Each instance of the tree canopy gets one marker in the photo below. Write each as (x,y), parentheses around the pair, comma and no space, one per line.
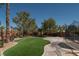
(49,25)
(24,22)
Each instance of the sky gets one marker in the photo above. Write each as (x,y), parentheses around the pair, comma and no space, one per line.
(61,13)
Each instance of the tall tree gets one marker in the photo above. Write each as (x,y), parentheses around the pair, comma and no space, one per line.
(20,20)
(24,22)
(49,25)
(32,25)
(7,22)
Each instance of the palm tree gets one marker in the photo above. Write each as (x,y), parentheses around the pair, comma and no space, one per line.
(2,35)
(7,22)
(2,32)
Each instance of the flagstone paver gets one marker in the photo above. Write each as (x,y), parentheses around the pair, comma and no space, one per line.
(53,49)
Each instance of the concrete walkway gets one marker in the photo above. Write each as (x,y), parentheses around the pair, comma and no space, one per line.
(53,49)
(8,45)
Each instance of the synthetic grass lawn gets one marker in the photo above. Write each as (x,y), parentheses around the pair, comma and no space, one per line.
(27,47)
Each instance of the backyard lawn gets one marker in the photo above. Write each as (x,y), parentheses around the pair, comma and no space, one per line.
(27,47)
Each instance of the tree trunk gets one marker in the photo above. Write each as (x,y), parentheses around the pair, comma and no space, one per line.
(7,22)
(2,33)
(2,37)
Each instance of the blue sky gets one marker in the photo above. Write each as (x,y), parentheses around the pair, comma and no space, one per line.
(62,13)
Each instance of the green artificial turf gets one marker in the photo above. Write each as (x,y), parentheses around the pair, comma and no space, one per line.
(27,47)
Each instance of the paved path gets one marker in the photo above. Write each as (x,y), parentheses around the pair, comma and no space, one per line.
(8,45)
(73,44)
(53,49)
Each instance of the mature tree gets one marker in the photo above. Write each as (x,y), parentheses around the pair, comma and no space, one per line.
(49,25)
(32,25)
(2,36)
(71,28)
(7,22)
(24,22)
(20,20)
(2,32)
(1,4)
(76,24)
